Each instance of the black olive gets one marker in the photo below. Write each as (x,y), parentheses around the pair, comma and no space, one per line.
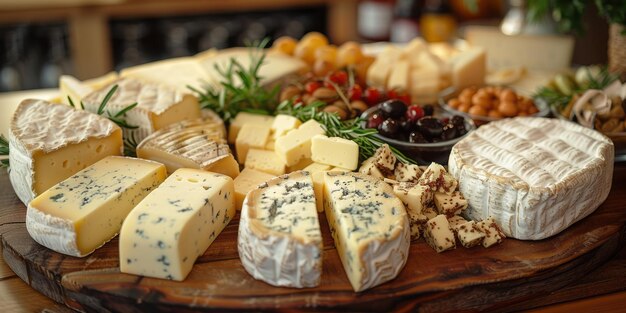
(428,110)
(389,128)
(407,125)
(393,108)
(460,130)
(417,137)
(458,120)
(449,132)
(430,127)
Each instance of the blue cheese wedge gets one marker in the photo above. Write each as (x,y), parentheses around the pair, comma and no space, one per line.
(279,240)
(170,228)
(83,212)
(369,225)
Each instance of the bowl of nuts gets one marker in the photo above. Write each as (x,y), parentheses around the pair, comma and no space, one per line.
(491,103)
(423,133)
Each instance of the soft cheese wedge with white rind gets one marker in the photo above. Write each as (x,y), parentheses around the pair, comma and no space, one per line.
(83,212)
(196,143)
(171,227)
(279,238)
(534,176)
(158,105)
(50,142)
(369,225)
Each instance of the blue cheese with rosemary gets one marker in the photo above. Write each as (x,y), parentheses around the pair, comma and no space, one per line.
(369,226)
(170,228)
(279,240)
(83,212)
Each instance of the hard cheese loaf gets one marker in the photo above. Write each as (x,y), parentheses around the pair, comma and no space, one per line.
(50,142)
(369,225)
(83,212)
(279,234)
(535,176)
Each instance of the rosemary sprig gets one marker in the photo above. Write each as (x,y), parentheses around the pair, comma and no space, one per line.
(4,152)
(130,145)
(240,88)
(334,127)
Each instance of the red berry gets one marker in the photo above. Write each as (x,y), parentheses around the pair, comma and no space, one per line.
(405,98)
(355,93)
(392,94)
(375,120)
(372,95)
(298,100)
(339,77)
(310,87)
(414,112)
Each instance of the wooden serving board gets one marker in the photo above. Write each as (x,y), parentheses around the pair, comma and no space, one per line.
(467,279)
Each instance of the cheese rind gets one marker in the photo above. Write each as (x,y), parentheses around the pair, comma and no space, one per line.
(171,227)
(369,226)
(534,176)
(83,212)
(335,151)
(279,238)
(50,142)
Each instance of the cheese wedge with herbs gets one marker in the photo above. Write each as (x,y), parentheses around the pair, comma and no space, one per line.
(369,225)
(171,227)
(51,142)
(83,212)
(279,238)
(158,105)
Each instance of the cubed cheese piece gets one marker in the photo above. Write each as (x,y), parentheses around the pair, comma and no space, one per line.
(469,68)
(279,239)
(335,151)
(296,144)
(493,232)
(270,144)
(300,165)
(415,197)
(171,227)
(399,76)
(265,161)
(455,222)
(250,136)
(83,212)
(158,105)
(49,143)
(247,180)
(379,71)
(407,172)
(417,224)
(438,234)
(369,226)
(385,160)
(438,179)
(317,174)
(244,118)
(177,72)
(284,123)
(429,212)
(450,205)
(469,235)
(368,167)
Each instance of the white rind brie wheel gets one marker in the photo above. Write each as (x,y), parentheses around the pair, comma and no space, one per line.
(534,176)
(279,239)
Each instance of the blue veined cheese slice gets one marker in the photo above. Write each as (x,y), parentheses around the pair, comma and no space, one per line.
(170,228)
(279,238)
(369,225)
(83,212)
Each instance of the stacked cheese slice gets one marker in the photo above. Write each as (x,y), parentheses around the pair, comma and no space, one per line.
(279,234)
(50,142)
(535,176)
(83,212)
(170,228)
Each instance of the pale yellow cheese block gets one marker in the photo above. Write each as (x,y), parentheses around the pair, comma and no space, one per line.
(248,180)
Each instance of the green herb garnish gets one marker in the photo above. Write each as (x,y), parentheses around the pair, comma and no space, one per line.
(4,152)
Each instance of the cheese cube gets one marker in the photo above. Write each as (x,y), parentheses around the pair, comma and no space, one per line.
(283,124)
(335,151)
(171,227)
(399,76)
(250,136)
(83,212)
(438,234)
(455,222)
(368,167)
(296,144)
(265,161)
(300,165)
(493,232)
(469,234)
(244,118)
(270,144)
(469,68)
(317,174)
(379,71)
(416,197)
(438,179)
(385,160)
(417,224)
(450,205)
(247,180)
(407,172)
(429,212)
